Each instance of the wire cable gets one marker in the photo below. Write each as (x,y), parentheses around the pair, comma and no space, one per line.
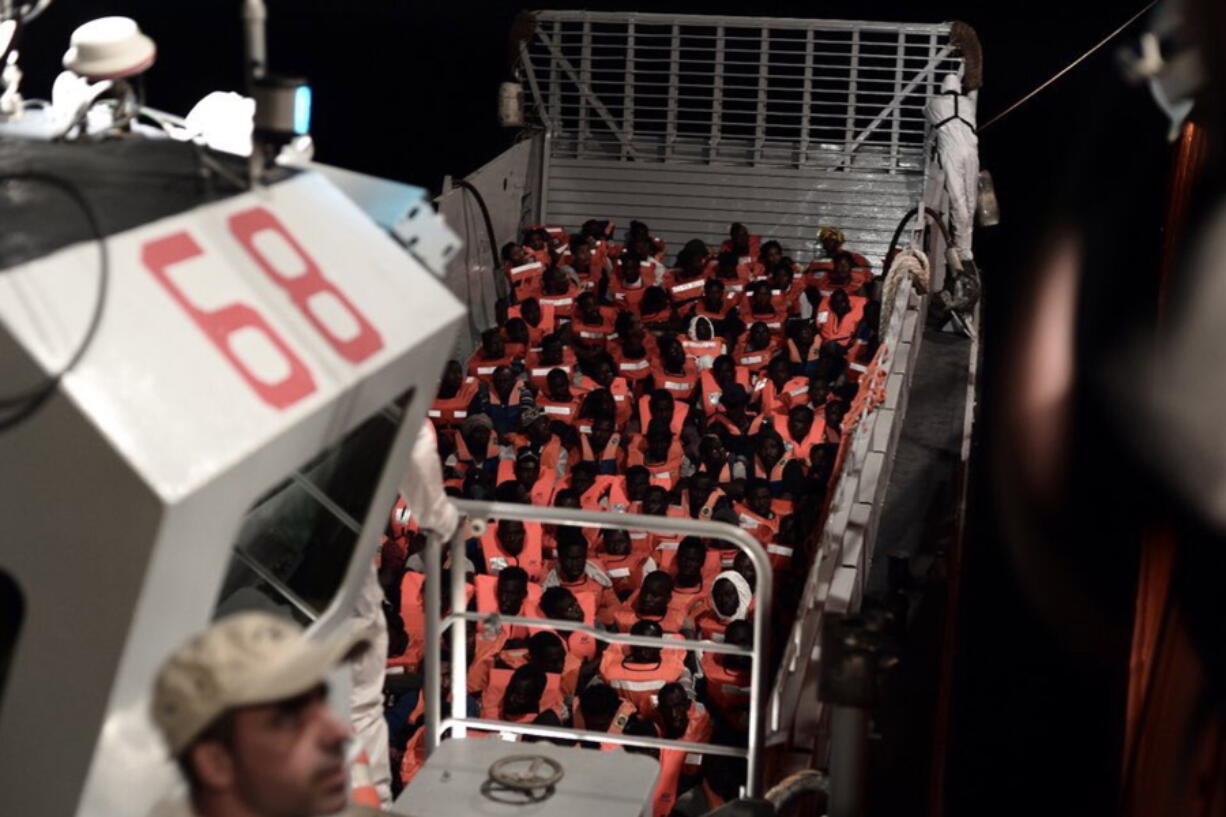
(1068,67)
(24,405)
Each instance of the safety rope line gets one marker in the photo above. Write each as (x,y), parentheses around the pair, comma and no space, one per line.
(1069,67)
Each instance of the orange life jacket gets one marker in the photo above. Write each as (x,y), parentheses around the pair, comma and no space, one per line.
(712,392)
(483,368)
(698,349)
(530,559)
(538,370)
(448,412)
(797,450)
(629,295)
(832,328)
(672,621)
(626,572)
(819,276)
(525,279)
(491,697)
(755,246)
(486,590)
(727,691)
(765,531)
(640,684)
(683,291)
(599,334)
(795,392)
(565,411)
(681,411)
(536,333)
(562,304)
(666,473)
(679,385)
(413,615)
(633,369)
(754,360)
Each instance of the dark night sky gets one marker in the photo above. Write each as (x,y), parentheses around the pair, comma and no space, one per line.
(407,89)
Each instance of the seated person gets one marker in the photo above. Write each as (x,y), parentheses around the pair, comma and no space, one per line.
(600,372)
(756,348)
(674,373)
(631,278)
(758,305)
(558,293)
(592,324)
(624,567)
(702,345)
(536,245)
(837,318)
(685,281)
(804,350)
(634,355)
(717,304)
(655,311)
(660,452)
(832,240)
(489,356)
(639,673)
(723,373)
(840,273)
(537,434)
(504,400)
(475,446)
(733,423)
(715,461)
(455,399)
(732,274)
(585,265)
(537,482)
(740,242)
(538,320)
(693,567)
(522,270)
(601,709)
(600,446)
(777,391)
(554,354)
(661,405)
(726,678)
(679,717)
(730,599)
(653,602)
(511,543)
(524,698)
(557,400)
(702,496)
(579,574)
(560,604)
(758,518)
(518,338)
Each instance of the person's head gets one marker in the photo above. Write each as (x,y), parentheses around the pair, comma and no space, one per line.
(638,231)
(724,597)
(723,369)
(758,496)
(547,652)
(760,333)
(631,267)
(646,655)
(639,727)
(243,710)
(779,370)
(453,377)
(558,385)
(603,428)
(655,594)
(700,488)
(602,369)
(831,240)
(492,344)
(516,331)
(536,239)
(770,254)
(527,469)
(760,297)
(554,281)
(739,234)
(691,556)
(673,355)
(615,542)
(805,335)
(726,264)
(560,604)
(552,348)
(659,438)
(655,501)
(800,420)
(598,403)
(769,447)
(673,705)
(503,381)
(742,564)
(840,303)
(514,254)
(476,431)
(712,452)
(781,275)
(702,329)
(589,308)
(655,300)
(511,590)
(572,558)
(582,477)
(530,308)
(511,535)
(633,335)
(739,634)
(734,399)
(598,703)
(660,405)
(713,294)
(524,692)
(511,491)
(638,480)
(841,267)
(581,251)
(567,498)
(692,259)
(834,411)
(535,425)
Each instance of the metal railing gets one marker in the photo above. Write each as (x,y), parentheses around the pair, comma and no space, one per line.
(775,91)
(436,623)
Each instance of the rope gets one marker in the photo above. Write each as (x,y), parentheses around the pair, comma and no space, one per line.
(1068,67)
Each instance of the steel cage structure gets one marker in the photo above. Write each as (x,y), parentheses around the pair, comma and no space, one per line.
(458,722)
(690,122)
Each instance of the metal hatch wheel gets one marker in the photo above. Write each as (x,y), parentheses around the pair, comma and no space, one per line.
(522,779)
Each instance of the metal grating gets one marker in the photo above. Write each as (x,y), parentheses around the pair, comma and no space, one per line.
(691,122)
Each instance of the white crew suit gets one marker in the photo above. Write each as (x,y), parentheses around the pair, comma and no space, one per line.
(953,116)
(422,489)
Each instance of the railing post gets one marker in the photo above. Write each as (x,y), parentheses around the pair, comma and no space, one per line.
(674,70)
(852,88)
(555,82)
(432,657)
(717,97)
(628,106)
(895,131)
(585,74)
(759,138)
(459,636)
(805,101)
